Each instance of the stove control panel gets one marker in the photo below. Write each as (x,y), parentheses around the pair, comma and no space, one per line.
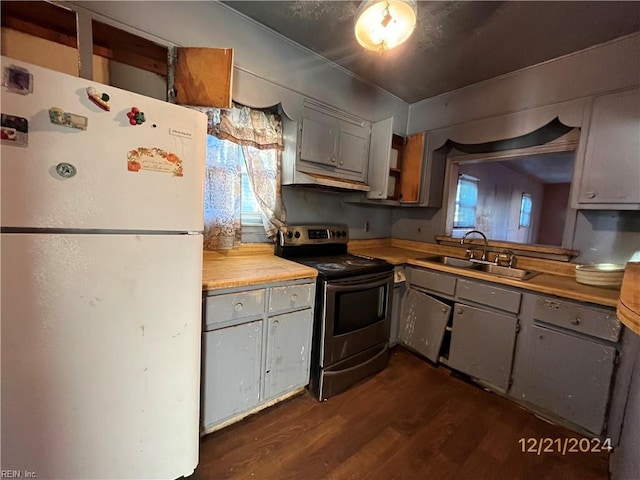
(313,234)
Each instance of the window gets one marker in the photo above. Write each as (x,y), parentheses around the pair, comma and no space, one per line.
(466,202)
(525,210)
(250,211)
(224,158)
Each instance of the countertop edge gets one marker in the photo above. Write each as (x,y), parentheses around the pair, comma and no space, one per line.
(542,283)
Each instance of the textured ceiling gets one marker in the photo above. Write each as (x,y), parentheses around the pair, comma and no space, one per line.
(455,43)
(547,168)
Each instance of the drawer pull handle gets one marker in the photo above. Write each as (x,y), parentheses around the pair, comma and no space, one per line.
(294,297)
(238,307)
(576,321)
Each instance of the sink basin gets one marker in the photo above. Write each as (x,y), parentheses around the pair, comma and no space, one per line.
(450,261)
(508,272)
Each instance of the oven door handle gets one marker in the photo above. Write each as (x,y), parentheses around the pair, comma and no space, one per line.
(379,282)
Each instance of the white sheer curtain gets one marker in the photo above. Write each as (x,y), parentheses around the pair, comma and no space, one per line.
(256,138)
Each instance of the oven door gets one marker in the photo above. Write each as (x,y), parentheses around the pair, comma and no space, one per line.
(357,316)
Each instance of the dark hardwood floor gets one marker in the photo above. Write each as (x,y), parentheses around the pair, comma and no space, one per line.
(411,421)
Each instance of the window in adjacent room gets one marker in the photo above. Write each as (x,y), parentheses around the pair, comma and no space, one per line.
(525,210)
(466,202)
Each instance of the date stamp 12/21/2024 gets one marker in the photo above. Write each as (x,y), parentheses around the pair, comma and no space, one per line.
(564,446)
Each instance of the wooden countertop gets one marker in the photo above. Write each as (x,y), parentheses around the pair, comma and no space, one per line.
(220,271)
(549,283)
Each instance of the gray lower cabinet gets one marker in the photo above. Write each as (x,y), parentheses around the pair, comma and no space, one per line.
(256,347)
(482,344)
(555,356)
(396,310)
(288,347)
(232,364)
(423,323)
(565,360)
(570,376)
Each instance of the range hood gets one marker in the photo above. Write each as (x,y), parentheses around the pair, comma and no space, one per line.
(322,181)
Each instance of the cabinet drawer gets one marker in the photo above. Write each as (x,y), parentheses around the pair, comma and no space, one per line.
(433,281)
(500,298)
(590,321)
(291,297)
(232,306)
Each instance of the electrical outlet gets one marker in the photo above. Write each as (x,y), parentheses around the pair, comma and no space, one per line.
(366,226)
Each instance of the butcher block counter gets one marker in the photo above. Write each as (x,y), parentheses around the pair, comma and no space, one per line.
(556,278)
(250,267)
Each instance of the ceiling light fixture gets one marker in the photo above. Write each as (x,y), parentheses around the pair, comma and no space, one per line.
(384,24)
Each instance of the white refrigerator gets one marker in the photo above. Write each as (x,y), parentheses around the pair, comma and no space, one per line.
(101,264)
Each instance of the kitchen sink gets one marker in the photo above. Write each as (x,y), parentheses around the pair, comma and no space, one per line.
(491,268)
(450,261)
(509,272)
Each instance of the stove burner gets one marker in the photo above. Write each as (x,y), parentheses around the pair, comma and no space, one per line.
(358,262)
(332,267)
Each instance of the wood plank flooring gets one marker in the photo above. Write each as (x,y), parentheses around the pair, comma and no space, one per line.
(411,421)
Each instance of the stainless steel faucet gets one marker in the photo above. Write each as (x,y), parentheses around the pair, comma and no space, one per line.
(470,251)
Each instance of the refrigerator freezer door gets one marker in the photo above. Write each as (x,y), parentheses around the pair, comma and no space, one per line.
(123,177)
(101,355)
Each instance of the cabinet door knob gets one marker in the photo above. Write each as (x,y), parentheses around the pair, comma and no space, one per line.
(541,337)
(238,307)
(576,321)
(590,195)
(459,311)
(341,162)
(333,160)
(444,310)
(294,297)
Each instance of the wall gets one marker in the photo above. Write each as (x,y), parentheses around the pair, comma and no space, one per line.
(606,235)
(555,202)
(307,205)
(258,52)
(45,53)
(604,68)
(601,236)
(499,195)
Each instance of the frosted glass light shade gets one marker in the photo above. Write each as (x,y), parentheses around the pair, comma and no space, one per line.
(384,24)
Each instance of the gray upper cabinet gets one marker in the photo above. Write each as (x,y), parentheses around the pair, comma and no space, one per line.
(318,141)
(379,159)
(333,143)
(608,168)
(422,323)
(482,344)
(570,377)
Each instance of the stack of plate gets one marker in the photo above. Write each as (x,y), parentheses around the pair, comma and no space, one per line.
(600,274)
